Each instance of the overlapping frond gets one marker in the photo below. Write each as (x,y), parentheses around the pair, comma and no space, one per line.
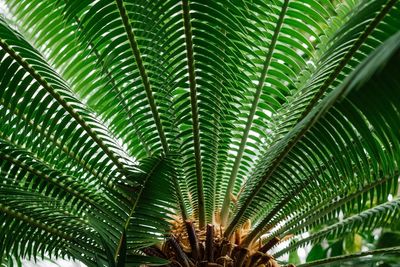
(143,226)
(43,92)
(114,29)
(370,24)
(321,77)
(36,225)
(290,25)
(361,115)
(53,146)
(328,210)
(86,70)
(367,220)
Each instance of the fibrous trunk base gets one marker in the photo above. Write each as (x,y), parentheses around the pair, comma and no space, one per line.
(188,247)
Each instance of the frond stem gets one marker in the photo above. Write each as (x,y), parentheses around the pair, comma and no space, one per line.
(126,224)
(119,93)
(143,73)
(250,118)
(15,214)
(195,110)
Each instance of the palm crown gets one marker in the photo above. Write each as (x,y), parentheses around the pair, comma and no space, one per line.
(253,121)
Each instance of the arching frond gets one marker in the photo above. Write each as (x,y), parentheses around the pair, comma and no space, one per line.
(361,118)
(369,219)
(273,161)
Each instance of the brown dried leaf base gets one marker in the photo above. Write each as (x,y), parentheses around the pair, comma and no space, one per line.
(188,247)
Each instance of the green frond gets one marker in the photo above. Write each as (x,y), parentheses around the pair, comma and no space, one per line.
(367,22)
(316,132)
(315,216)
(143,225)
(380,215)
(104,213)
(53,90)
(143,74)
(195,111)
(370,24)
(102,25)
(40,176)
(34,224)
(79,67)
(280,162)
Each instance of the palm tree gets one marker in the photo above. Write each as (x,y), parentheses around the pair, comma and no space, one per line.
(196,133)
